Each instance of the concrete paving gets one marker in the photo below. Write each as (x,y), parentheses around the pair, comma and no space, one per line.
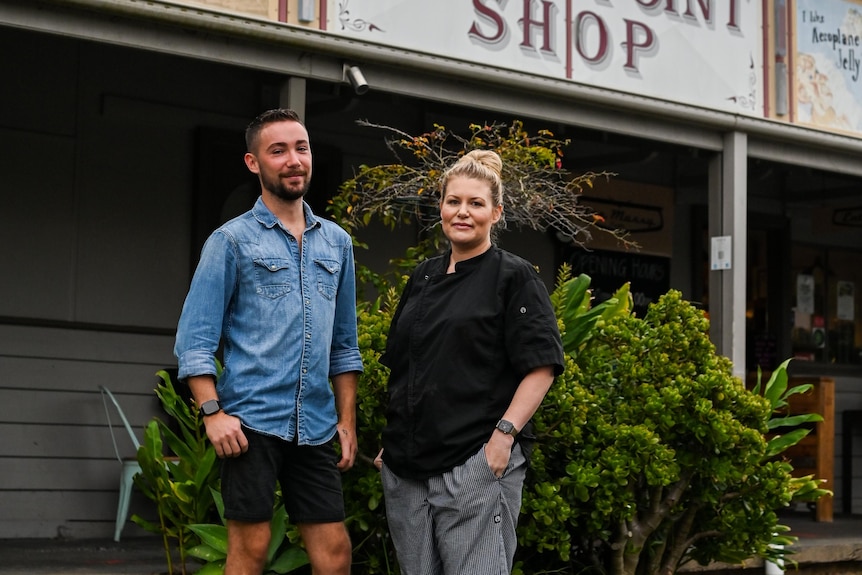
(135,556)
(820,544)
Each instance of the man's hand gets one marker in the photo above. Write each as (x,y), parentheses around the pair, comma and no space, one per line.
(225,433)
(349,447)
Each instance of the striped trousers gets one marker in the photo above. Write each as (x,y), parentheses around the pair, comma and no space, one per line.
(459,523)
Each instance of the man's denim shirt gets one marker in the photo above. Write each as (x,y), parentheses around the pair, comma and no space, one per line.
(287,321)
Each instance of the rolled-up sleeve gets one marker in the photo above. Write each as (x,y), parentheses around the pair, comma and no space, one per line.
(344,355)
(200,325)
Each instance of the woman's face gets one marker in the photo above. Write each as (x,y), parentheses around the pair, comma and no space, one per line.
(468,213)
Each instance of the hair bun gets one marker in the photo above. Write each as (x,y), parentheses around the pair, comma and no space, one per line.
(487,158)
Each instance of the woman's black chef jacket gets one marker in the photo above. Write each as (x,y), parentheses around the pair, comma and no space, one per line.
(458,347)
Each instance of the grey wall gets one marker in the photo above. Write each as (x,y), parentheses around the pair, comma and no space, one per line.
(97,180)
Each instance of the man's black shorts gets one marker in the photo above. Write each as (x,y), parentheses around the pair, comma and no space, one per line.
(310,481)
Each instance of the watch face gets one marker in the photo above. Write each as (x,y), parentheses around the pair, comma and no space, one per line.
(210,407)
(505,426)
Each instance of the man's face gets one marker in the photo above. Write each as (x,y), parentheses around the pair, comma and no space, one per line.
(282,160)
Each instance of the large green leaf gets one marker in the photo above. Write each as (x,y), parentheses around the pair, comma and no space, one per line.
(213,535)
(777,385)
(278,531)
(779,443)
(794,420)
(206,553)
(293,558)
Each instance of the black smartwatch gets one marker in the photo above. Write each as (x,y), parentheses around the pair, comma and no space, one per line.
(210,407)
(507,427)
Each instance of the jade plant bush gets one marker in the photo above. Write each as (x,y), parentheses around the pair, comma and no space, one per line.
(363,492)
(652,454)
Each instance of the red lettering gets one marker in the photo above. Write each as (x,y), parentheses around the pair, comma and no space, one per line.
(583,20)
(705,8)
(651,3)
(494,17)
(639,37)
(733,18)
(527,22)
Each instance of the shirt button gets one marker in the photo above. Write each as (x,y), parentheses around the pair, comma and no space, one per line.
(273,268)
(523,310)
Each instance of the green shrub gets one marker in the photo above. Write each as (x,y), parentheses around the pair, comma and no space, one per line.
(652,454)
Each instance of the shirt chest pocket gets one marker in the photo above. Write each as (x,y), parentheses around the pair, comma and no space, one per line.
(327,272)
(271,277)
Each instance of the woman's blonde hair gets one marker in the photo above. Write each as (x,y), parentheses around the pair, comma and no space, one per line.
(483,165)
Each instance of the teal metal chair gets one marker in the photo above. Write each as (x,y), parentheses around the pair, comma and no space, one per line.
(130,468)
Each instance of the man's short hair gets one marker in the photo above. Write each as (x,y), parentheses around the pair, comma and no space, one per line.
(268,117)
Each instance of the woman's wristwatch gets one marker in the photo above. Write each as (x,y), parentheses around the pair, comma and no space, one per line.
(507,427)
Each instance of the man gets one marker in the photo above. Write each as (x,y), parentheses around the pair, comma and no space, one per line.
(276,287)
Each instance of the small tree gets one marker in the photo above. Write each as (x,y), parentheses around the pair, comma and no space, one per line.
(540,194)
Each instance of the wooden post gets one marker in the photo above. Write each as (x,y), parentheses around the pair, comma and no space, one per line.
(815,454)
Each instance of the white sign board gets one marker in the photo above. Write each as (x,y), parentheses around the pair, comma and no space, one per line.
(707,53)
(721,256)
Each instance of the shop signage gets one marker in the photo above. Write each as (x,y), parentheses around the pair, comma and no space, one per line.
(701,52)
(645,211)
(649,276)
(848,217)
(635,218)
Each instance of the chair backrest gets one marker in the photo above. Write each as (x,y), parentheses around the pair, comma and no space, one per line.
(106,395)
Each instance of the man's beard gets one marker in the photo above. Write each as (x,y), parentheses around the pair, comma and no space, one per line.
(280,190)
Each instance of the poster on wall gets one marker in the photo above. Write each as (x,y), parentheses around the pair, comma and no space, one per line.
(828,64)
(846,298)
(804,294)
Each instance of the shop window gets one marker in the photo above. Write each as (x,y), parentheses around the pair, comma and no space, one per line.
(826,318)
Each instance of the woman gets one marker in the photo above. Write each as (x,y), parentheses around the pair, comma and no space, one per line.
(473,348)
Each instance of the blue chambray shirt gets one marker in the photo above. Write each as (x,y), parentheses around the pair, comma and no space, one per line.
(287,321)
